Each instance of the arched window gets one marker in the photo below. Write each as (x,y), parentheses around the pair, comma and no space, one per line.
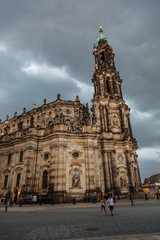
(20,125)
(21,157)
(45,179)
(67,121)
(50,124)
(9,158)
(5,182)
(68,111)
(18,179)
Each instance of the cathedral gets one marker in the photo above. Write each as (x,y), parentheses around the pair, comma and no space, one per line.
(63,151)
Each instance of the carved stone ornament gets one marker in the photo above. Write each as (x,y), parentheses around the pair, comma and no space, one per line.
(6,171)
(19,169)
(120,158)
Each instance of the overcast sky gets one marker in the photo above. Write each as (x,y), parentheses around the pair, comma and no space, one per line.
(46,48)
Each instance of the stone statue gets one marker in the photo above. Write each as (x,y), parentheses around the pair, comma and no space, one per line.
(123,182)
(61,118)
(58,96)
(75,180)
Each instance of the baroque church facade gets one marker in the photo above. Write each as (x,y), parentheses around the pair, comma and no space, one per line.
(61,150)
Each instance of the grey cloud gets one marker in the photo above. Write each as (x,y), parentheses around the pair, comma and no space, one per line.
(147,168)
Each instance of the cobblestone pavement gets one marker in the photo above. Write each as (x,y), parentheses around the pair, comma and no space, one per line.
(81,221)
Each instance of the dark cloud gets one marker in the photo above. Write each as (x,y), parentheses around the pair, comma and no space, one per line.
(148,167)
(60,34)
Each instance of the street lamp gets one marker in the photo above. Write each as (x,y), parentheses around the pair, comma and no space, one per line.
(130,196)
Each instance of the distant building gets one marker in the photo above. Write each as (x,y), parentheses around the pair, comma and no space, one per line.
(155,178)
(152,183)
(59,151)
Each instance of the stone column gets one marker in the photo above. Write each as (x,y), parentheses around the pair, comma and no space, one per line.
(132,175)
(114,169)
(110,169)
(97,167)
(107,178)
(30,168)
(90,167)
(127,155)
(106,117)
(55,146)
(101,117)
(122,119)
(87,168)
(129,126)
(139,178)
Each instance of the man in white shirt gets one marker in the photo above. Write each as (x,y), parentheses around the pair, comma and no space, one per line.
(111,204)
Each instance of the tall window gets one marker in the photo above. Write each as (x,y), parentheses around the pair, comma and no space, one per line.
(45,179)
(9,158)
(5,182)
(18,179)
(21,157)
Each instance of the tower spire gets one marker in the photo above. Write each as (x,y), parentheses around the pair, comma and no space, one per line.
(106,81)
(102,37)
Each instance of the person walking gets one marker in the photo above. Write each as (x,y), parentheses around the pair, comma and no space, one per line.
(6,204)
(110,202)
(103,206)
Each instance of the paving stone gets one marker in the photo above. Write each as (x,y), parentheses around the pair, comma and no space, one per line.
(49,223)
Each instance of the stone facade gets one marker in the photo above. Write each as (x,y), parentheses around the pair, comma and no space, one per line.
(59,148)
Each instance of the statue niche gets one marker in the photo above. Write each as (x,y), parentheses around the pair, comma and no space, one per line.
(115,121)
(123,181)
(76,180)
(75,176)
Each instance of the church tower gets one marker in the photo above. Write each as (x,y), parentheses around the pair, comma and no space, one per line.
(112,117)
(57,152)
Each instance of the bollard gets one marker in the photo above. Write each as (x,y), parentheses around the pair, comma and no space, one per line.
(131,198)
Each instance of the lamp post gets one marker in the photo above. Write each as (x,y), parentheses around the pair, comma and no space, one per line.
(7,199)
(130,196)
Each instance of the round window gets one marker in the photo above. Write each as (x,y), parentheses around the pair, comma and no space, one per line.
(75,154)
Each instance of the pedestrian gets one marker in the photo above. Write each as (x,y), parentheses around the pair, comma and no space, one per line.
(6,204)
(110,202)
(157,195)
(103,206)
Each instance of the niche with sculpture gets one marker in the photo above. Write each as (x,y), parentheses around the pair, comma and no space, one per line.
(75,174)
(115,120)
(123,182)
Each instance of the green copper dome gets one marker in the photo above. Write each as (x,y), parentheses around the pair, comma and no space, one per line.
(102,37)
